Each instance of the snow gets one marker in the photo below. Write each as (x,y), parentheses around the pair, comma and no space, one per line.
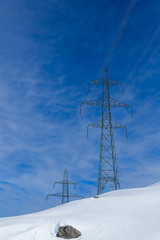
(131,214)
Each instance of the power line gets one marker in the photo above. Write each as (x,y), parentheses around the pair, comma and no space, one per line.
(143,53)
(154,53)
(156,94)
(145,65)
(119,32)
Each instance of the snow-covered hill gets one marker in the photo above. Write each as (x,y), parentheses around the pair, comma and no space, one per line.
(132,214)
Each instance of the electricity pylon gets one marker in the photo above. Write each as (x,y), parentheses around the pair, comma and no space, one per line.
(108,168)
(65,194)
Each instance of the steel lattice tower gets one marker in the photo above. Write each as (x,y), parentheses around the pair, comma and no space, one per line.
(65,194)
(108,168)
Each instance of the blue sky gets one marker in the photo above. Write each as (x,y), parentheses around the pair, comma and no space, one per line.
(49,51)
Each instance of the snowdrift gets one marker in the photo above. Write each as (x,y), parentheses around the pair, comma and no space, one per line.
(132,214)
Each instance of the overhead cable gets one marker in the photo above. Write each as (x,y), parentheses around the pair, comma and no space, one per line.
(143,53)
(119,32)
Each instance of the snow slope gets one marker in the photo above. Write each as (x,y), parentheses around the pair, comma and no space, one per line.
(132,214)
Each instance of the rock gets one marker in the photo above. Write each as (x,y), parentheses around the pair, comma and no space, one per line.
(96,196)
(68,232)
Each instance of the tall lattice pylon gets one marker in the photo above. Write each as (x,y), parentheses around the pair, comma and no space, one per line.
(108,168)
(65,194)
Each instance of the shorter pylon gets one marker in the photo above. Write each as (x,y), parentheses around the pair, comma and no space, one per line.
(65,194)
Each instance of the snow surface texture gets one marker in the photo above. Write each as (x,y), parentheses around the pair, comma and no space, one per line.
(132,214)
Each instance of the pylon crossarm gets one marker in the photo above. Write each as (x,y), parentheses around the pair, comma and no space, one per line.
(96,81)
(98,124)
(119,125)
(116,103)
(57,183)
(95,124)
(113,82)
(76,196)
(96,103)
(54,195)
(72,183)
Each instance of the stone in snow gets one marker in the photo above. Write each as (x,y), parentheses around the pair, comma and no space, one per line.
(68,232)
